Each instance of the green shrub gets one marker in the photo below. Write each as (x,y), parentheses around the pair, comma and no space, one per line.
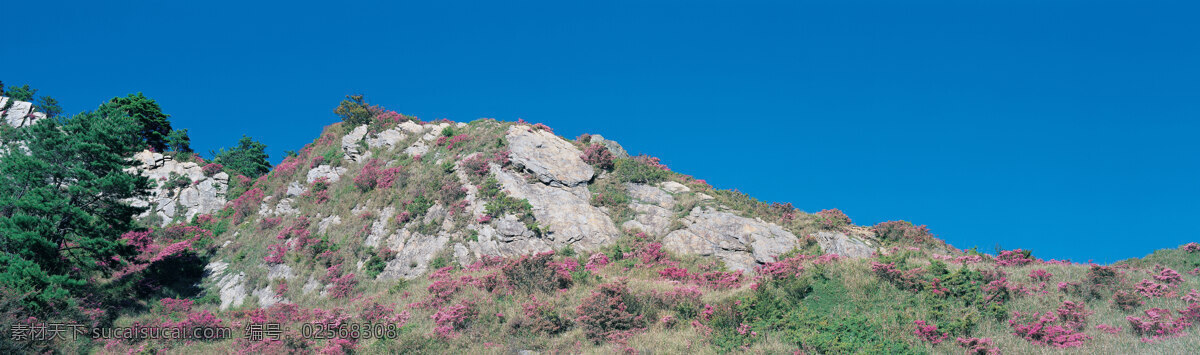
(354,111)
(248,158)
(630,170)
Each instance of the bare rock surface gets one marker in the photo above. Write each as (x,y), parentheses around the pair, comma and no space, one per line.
(551,159)
(741,242)
(202,195)
(232,286)
(843,245)
(351,149)
(566,211)
(325,171)
(612,146)
(413,256)
(651,207)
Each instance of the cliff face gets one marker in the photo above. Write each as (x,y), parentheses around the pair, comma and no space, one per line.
(195,193)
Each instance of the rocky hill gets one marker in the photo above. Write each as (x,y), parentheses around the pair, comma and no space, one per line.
(502,237)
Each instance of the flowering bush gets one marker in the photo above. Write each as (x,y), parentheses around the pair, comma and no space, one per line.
(651,254)
(902,231)
(319,190)
(171,305)
(1015,257)
(929,332)
(1040,275)
(339,286)
(201,325)
(288,166)
(719,279)
(367,178)
(540,317)
(536,273)
(543,127)
(1044,330)
(833,218)
(1191,313)
(1126,301)
(275,253)
(338,346)
(596,262)
(246,204)
(1167,275)
(1074,315)
(1191,296)
(476,165)
(450,142)
(212,169)
(451,319)
(268,223)
(1192,247)
(1157,324)
(1108,328)
(387,177)
(606,314)
(905,280)
(1151,289)
(979,346)
(598,155)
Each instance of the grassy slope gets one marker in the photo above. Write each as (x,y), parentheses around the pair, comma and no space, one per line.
(840,306)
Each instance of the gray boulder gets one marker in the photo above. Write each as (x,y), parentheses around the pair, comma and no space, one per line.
(566,211)
(843,245)
(612,146)
(740,242)
(652,209)
(551,159)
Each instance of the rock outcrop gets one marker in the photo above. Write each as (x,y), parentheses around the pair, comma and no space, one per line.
(566,211)
(742,243)
(202,194)
(612,146)
(841,244)
(551,159)
(652,209)
(232,286)
(19,113)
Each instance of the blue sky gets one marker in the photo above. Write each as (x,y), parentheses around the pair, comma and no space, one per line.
(1066,127)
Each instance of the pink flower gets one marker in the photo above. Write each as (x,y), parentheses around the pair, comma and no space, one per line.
(596,262)
(929,332)
(1108,328)
(1040,275)
(1192,247)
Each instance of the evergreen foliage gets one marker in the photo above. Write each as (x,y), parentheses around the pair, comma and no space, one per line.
(249,158)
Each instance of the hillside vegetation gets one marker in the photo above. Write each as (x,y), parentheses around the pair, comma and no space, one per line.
(388,234)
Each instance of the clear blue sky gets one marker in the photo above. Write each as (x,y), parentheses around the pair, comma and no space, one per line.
(1066,127)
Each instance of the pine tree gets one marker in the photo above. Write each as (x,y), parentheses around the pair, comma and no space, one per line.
(249,158)
(63,205)
(155,125)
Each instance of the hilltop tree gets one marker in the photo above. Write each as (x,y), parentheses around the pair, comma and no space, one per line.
(155,125)
(354,110)
(249,158)
(63,206)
